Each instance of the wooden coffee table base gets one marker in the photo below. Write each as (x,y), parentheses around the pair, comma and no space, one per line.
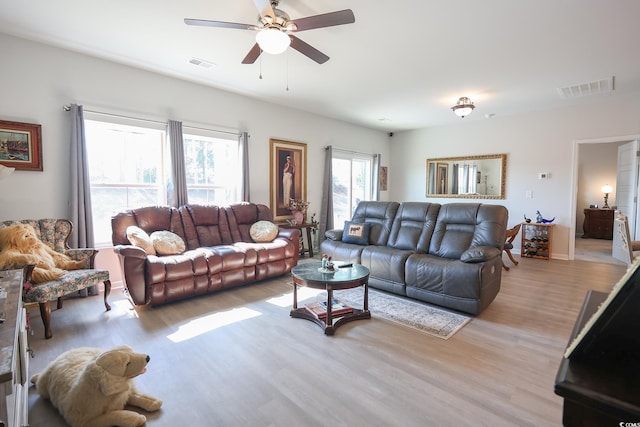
(330,323)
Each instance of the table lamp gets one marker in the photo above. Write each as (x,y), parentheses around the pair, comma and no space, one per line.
(606,189)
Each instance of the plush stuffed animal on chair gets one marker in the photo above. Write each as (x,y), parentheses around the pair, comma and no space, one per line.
(19,246)
(90,387)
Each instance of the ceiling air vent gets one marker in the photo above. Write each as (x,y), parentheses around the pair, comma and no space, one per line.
(584,89)
(201,63)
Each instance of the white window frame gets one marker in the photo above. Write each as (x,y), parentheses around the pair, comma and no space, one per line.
(102,226)
(230,185)
(369,187)
(232,172)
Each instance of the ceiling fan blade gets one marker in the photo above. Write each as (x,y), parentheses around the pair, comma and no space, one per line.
(330,19)
(265,9)
(253,54)
(218,24)
(308,50)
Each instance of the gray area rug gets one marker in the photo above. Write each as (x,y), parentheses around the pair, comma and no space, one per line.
(423,317)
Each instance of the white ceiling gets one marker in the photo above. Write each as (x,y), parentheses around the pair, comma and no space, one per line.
(401,65)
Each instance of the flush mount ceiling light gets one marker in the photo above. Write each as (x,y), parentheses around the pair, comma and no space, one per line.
(464,107)
(273,41)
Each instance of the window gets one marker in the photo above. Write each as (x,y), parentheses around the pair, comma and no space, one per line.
(352,183)
(126,170)
(212,169)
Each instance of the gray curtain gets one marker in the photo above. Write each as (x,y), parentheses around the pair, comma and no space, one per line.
(376,176)
(176,184)
(454,179)
(80,201)
(326,212)
(243,148)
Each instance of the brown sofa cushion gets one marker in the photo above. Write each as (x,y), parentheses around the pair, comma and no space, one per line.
(138,237)
(167,243)
(263,231)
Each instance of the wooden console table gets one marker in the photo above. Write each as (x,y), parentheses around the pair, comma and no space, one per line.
(602,391)
(306,226)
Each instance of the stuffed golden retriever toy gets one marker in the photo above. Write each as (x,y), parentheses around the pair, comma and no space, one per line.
(19,246)
(90,387)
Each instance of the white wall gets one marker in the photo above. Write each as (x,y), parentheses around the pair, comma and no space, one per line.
(536,142)
(37,80)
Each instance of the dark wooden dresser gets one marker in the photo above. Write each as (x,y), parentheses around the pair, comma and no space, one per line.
(598,224)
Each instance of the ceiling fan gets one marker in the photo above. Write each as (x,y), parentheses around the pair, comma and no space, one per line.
(275,30)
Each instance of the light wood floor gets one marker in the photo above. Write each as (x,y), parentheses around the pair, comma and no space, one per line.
(236,358)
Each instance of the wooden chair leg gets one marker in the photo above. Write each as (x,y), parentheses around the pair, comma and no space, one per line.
(505,266)
(511,257)
(107,291)
(45,313)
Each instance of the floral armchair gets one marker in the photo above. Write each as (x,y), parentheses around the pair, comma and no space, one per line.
(55,233)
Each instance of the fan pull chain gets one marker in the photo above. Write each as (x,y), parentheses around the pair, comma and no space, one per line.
(287,70)
(260,77)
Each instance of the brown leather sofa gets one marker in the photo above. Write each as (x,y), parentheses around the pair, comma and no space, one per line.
(449,255)
(220,252)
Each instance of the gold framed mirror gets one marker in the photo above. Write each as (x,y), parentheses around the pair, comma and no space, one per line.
(470,177)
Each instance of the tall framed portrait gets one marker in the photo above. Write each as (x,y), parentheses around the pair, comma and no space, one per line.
(288,175)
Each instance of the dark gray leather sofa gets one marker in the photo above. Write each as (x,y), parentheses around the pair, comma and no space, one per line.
(449,255)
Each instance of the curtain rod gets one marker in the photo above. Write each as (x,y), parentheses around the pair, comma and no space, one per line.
(212,130)
(351,152)
(120,116)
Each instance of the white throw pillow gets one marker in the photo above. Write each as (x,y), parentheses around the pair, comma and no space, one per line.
(138,237)
(167,243)
(263,231)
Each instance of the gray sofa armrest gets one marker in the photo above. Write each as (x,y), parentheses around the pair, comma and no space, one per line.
(480,254)
(333,234)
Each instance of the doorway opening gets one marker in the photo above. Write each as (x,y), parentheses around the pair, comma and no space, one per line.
(586,193)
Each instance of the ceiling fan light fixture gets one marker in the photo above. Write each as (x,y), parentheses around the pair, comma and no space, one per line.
(463,107)
(273,41)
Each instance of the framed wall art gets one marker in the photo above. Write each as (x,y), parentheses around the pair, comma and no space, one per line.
(288,176)
(383,178)
(21,145)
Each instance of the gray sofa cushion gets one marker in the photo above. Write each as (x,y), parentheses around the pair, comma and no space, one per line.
(380,215)
(413,226)
(461,226)
(386,267)
(468,287)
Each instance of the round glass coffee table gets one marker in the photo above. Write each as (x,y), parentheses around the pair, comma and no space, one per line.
(346,276)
